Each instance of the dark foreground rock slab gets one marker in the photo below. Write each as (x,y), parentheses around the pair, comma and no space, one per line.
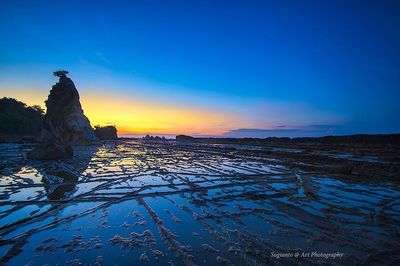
(50,151)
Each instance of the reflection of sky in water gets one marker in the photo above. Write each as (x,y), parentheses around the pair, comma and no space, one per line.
(210,204)
(19,214)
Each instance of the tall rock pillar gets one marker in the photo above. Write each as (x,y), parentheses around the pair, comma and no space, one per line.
(64,121)
(64,124)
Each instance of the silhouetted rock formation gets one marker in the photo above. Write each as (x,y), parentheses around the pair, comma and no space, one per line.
(106,133)
(153,138)
(184,138)
(64,122)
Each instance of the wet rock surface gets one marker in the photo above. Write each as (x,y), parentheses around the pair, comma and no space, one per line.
(50,150)
(152,203)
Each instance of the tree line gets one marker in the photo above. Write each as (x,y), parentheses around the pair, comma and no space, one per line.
(17,118)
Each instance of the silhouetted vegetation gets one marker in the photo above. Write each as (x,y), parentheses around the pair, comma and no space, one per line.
(16,118)
(60,73)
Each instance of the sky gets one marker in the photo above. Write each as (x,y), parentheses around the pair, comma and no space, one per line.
(211,68)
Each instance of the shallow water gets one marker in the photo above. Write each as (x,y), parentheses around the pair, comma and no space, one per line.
(169,203)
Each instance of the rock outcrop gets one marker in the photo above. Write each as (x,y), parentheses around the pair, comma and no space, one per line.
(64,123)
(50,151)
(184,138)
(106,132)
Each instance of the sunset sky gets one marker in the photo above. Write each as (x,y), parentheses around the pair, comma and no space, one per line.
(230,68)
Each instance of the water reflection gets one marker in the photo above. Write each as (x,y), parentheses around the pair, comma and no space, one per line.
(146,203)
(31,179)
(61,177)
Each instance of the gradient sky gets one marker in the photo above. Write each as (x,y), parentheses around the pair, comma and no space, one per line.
(237,68)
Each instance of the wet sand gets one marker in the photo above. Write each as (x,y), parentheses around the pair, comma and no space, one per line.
(171,203)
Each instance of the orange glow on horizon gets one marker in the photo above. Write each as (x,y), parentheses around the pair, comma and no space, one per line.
(140,117)
(133,116)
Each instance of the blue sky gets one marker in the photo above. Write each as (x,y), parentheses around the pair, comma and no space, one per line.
(269,65)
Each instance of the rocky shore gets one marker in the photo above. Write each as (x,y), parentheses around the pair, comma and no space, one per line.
(169,202)
(364,156)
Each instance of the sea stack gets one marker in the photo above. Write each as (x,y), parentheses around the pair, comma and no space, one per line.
(64,123)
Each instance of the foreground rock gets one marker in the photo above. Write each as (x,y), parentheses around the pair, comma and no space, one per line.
(50,151)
